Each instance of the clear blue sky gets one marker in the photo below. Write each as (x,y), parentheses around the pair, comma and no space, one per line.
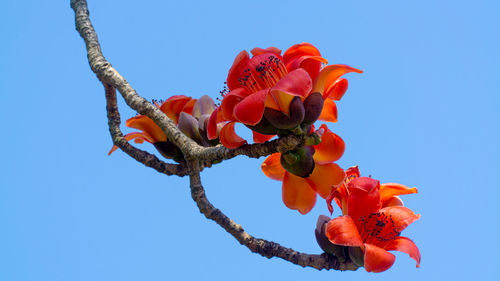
(424,113)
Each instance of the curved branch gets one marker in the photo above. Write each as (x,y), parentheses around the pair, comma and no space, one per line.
(263,247)
(191,150)
(144,157)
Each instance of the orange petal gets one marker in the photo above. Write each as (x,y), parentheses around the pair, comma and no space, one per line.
(336,90)
(329,111)
(230,101)
(405,245)
(272,167)
(324,177)
(401,216)
(229,138)
(261,138)
(234,74)
(329,75)
(389,190)
(139,138)
(250,110)
(260,51)
(173,106)
(296,83)
(148,126)
(299,50)
(377,259)
(393,201)
(331,147)
(297,194)
(343,231)
(364,197)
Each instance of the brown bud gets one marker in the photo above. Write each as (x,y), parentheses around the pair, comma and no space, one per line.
(282,121)
(313,105)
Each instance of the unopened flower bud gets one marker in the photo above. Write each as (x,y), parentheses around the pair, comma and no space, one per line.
(264,127)
(299,161)
(325,244)
(357,256)
(313,105)
(189,126)
(168,150)
(282,121)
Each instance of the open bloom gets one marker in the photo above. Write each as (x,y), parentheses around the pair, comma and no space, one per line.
(190,115)
(388,192)
(371,227)
(299,193)
(268,91)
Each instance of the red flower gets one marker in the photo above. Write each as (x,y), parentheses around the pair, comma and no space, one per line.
(299,193)
(191,116)
(269,92)
(388,192)
(371,227)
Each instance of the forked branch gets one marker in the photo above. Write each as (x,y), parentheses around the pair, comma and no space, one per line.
(193,152)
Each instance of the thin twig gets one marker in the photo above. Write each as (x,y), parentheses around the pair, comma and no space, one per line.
(142,156)
(263,247)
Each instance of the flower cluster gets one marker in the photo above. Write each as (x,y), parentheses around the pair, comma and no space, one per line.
(372,221)
(190,115)
(285,94)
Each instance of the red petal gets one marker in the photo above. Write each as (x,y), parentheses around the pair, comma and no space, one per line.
(364,197)
(173,106)
(311,64)
(297,194)
(331,147)
(250,110)
(229,138)
(329,112)
(148,126)
(272,167)
(212,131)
(377,259)
(260,51)
(260,138)
(295,83)
(329,75)
(337,90)
(401,216)
(343,231)
(324,177)
(230,101)
(240,62)
(389,190)
(405,245)
(188,108)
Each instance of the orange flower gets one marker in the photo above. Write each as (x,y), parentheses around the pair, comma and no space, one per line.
(299,193)
(190,115)
(371,227)
(269,92)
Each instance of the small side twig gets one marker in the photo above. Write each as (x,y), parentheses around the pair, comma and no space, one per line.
(142,156)
(263,247)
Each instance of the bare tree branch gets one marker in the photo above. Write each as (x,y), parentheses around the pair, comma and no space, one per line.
(191,150)
(263,247)
(144,157)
